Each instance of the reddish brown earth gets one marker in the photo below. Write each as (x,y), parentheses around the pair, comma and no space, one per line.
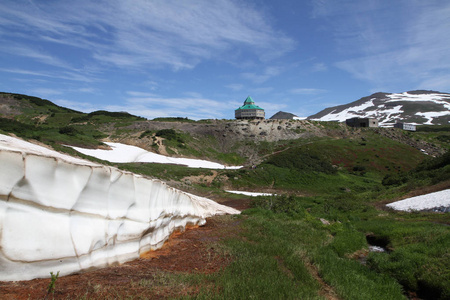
(156,275)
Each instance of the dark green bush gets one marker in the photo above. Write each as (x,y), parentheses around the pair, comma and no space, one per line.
(174,119)
(394,179)
(301,160)
(68,130)
(112,114)
(169,134)
(145,133)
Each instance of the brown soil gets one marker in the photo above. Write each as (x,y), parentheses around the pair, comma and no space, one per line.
(156,275)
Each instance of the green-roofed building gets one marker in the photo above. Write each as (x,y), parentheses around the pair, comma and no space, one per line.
(249,110)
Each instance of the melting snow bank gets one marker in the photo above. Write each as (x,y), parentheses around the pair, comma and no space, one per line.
(438,201)
(122,153)
(250,193)
(59,213)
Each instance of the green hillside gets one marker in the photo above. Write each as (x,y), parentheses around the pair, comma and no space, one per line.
(309,241)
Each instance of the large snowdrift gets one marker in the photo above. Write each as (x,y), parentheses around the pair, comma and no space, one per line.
(59,213)
(438,201)
(121,153)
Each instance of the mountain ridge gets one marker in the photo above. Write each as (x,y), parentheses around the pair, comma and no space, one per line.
(420,107)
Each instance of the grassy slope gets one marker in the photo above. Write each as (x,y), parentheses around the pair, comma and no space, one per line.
(44,121)
(284,247)
(284,239)
(283,242)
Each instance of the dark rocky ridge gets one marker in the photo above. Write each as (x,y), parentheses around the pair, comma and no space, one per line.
(283,115)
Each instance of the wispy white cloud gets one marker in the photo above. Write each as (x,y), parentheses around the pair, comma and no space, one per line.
(387,43)
(262,90)
(439,82)
(85,107)
(266,74)
(306,91)
(319,67)
(140,33)
(236,87)
(195,107)
(271,108)
(26,72)
(45,92)
(34,54)
(67,75)
(137,94)
(193,95)
(87,90)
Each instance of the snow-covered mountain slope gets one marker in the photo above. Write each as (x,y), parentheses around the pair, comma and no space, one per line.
(416,107)
(59,213)
(121,153)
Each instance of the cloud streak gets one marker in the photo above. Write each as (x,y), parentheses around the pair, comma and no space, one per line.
(191,106)
(387,43)
(141,34)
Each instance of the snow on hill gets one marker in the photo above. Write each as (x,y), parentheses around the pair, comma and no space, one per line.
(415,107)
(121,153)
(59,213)
(438,201)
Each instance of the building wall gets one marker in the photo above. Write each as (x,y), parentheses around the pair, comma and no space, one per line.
(362,122)
(249,114)
(404,126)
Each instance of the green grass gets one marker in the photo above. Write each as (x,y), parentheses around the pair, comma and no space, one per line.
(277,253)
(266,266)
(78,136)
(292,180)
(283,245)
(163,171)
(419,259)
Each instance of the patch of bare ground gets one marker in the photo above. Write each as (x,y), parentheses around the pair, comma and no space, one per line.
(156,275)
(206,179)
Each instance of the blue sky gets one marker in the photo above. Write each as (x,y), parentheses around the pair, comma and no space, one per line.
(201,58)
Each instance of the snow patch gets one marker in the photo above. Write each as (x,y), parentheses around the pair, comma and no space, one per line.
(253,194)
(347,113)
(122,153)
(424,202)
(432,114)
(59,213)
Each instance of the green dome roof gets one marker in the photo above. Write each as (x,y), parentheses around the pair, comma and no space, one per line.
(249,104)
(249,100)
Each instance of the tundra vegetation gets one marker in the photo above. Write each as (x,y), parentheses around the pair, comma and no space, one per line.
(311,240)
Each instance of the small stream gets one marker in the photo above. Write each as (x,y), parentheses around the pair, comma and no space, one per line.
(376,249)
(377,244)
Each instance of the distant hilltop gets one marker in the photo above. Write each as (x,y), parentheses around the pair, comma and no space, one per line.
(415,107)
(285,115)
